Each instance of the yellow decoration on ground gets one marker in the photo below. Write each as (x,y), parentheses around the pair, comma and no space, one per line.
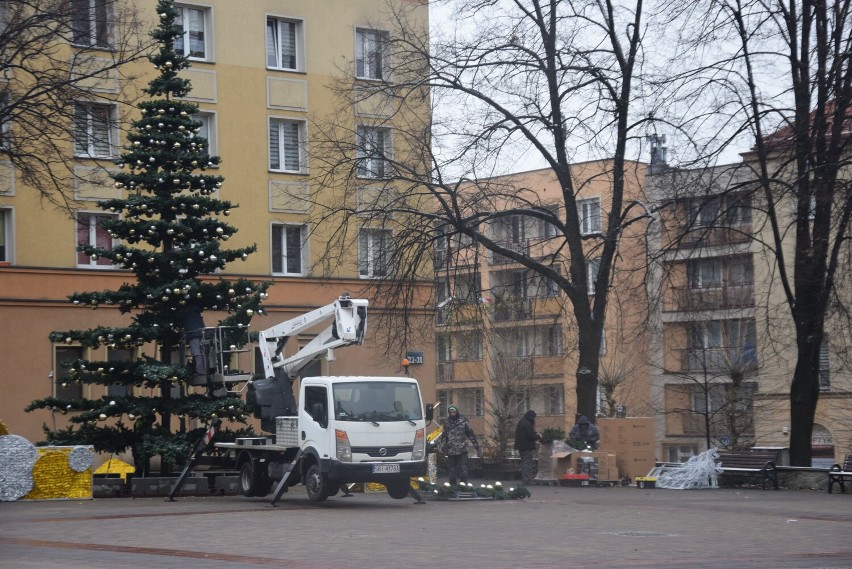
(116,466)
(54,477)
(4,430)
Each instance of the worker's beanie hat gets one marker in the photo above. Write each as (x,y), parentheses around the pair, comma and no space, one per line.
(452,408)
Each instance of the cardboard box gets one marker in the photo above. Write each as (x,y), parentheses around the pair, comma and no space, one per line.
(635,464)
(626,434)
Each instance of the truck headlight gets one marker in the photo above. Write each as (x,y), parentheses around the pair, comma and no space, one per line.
(418,451)
(342,446)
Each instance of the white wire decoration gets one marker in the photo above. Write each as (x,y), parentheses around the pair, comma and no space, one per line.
(699,471)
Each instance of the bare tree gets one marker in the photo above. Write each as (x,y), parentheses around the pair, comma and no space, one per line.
(549,79)
(55,54)
(779,74)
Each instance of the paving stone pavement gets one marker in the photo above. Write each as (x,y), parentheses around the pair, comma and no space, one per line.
(618,527)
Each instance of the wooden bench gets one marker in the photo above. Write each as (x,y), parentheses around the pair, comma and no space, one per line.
(755,463)
(838,473)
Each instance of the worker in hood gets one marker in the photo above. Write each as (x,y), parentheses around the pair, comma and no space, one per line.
(525,439)
(453,441)
(584,435)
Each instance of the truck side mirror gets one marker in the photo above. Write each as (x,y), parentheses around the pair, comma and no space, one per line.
(430,411)
(318,414)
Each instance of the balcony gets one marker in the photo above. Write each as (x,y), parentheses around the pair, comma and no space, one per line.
(513,309)
(715,360)
(688,299)
(521,247)
(714,236)
(510,368)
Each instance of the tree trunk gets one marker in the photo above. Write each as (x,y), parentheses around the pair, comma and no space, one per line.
(804,394)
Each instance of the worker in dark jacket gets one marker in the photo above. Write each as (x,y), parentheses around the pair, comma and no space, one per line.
(453,442)
(584,435)
(525,439)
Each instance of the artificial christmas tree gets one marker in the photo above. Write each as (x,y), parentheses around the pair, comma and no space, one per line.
(169,236)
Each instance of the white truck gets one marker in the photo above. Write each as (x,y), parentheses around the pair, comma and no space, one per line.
(340,430)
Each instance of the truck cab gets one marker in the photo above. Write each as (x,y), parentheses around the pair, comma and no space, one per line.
(360,429)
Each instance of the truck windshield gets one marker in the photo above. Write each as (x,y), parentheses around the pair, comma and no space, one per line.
(374,401)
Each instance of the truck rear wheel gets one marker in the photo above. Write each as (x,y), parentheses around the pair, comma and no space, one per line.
(316,484)
(254,480)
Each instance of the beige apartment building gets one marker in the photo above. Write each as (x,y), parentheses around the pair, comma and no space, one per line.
(261,75)
(723,347)
(505,338)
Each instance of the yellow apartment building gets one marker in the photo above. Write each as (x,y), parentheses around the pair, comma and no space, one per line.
(505,338)
(723,347)
(261,75)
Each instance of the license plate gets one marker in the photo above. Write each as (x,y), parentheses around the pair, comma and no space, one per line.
(385,468)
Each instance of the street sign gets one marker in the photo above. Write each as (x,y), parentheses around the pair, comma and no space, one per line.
(414,357)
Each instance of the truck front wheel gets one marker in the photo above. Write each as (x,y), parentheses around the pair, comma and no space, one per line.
(316,484)
(398,489)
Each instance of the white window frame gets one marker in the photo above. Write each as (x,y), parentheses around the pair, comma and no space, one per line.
(705,273)
(5,124)
(60,373)
(371,55)
(91,123)
(555,399)
(373,163)
(274,36)
(468,346)
(282,232)
(92,239)
(370,251)
(94,32)
(278,151)
(206,21)
(209,123)
(593,267)
(7,242)
(590,215)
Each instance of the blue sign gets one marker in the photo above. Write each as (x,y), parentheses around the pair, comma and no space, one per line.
(414,357)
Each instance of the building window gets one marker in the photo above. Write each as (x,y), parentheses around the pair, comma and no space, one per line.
(373,150)
(119,355)
(704,212)
(442,346)
(824,366)
(90,231)
(93,130)
(288,244)
(680,453)
(284,44)
(555,399)
(371,54)
(207,130)
(705,273)
(5,120)
(375,249)
(467,287)
(593,267)
(90,22)
(549,340)
(471,402)
(285,145)
(444,401)
(66,388)
(468,346)
(522,400)
(590,215)
(5,235)
(193,42)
